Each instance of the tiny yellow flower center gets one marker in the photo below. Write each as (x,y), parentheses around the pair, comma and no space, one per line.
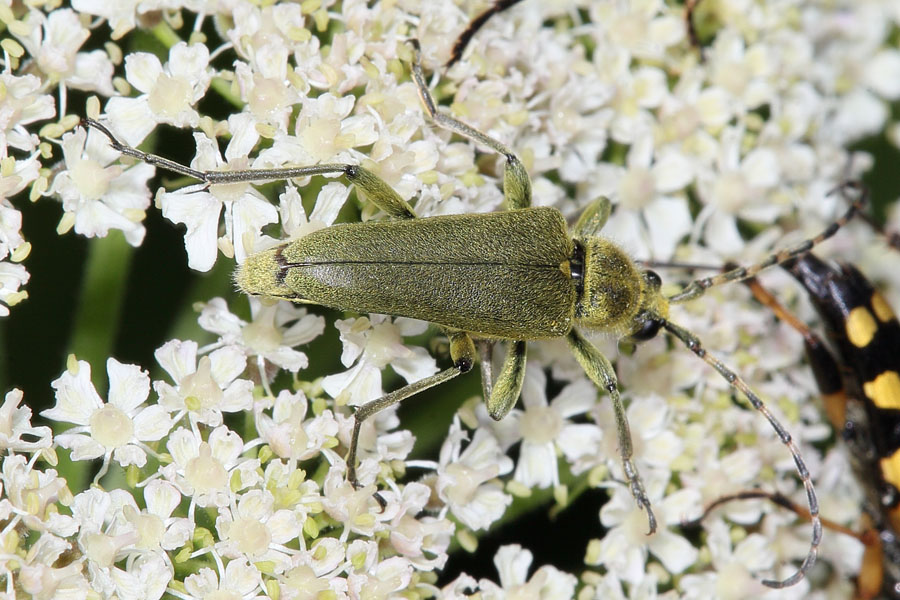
(90,178)
(111,427)
(201,387)
(262,335)
(252,537)
(204,472)
(540,424)
(170,96)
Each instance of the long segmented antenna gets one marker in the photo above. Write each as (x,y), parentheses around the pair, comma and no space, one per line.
(778,500)
(694,345)
(698,287)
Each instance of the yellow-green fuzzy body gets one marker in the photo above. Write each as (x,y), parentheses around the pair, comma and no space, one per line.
(500,275)
(615,290)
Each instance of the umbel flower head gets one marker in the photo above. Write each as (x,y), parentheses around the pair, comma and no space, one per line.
(199,440)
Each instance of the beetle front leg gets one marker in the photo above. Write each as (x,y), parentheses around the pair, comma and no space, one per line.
(462,351)
(516,182)
(601,372)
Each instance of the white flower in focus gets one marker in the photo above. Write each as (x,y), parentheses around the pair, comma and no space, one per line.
(467,479)
(15,175)
(23,104)
(104,544)
(292,490)
(256,531)
(98,196)
(40,578)
(325,132)
(623,550)
(53,41)
(198,207)
(116,429)
(610,588)
(295,223)
(15,425)
(169,92)
(121,14)
(31,496)
(204,388)
(157,528)
(289,432)
(268,93)
(355,509)
(240,580)
(379,578)
(271,335)
(376,342)
(546,431)
(512,562)
(655,442)
(260,33)
(207,471)
(13,181)
(302,582)
(373,343)
(12,277)
(422,539)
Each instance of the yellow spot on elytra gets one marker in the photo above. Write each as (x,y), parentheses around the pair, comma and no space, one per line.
(890,468)
(882,308)
(860,326)
(884,392)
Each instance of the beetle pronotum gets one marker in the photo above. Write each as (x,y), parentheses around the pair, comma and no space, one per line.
(468,273)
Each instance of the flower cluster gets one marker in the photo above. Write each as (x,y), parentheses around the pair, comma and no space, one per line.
(222,467)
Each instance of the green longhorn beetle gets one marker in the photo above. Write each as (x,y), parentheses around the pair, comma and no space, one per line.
(509,277)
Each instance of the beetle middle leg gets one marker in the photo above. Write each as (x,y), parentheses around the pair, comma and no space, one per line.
(462,351)
(516,182)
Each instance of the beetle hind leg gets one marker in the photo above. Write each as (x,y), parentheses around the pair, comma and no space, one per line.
(462,351)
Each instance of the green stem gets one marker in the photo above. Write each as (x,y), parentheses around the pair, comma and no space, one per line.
(100,303)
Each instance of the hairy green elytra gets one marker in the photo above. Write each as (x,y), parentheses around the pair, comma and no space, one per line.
(514,275)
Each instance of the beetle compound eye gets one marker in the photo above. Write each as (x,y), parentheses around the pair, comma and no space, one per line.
(652,279)
(649,328)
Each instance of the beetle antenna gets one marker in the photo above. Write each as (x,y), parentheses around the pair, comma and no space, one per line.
(698,287)
(477,23)
(694,345)
(777,499)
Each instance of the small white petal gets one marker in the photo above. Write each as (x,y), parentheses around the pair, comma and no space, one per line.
(142,69)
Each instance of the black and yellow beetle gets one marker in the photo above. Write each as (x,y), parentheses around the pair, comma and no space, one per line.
(866,335)
(860,388)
